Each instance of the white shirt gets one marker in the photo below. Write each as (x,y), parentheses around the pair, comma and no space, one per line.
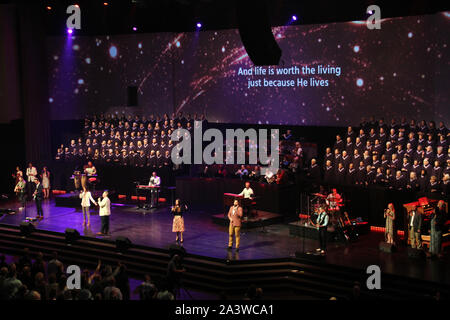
(105,207)
(91,171)
(247,193)
(86,198)
(154,181)
(31,173)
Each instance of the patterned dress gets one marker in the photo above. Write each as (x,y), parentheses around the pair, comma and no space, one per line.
(178,221)
(390,216)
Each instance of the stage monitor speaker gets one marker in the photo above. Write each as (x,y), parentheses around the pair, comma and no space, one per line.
(176,249)
(387,247)
(132,96)
(26,228)
(256,32)
(416,253)
(72,235)
(123,244)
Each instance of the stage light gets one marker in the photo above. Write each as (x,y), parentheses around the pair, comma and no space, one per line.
(199,25)
(294,18)
(134,28)
(105,3)
(49,8)
(69,31)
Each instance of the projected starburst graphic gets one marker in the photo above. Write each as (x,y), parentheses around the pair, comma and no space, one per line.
(392,72)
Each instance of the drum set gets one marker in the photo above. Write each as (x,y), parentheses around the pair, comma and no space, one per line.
(330,204)
(334,205)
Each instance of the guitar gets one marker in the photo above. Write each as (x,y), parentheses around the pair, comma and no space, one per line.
(348,229)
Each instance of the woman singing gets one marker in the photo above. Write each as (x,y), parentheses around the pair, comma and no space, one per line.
(178,221)
(46,182)
(389,214)
(86,199)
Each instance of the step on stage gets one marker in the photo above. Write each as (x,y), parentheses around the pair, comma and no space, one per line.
(262,219)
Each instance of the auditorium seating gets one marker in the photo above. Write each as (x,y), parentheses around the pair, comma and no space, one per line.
(313,279)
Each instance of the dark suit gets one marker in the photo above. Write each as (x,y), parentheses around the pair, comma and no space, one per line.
(438,219)
(414,226)
(38,197)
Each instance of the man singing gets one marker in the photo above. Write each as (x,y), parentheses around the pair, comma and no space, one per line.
(235,216)
(105,211)
(437,226)
(415,224)
(155,182)
(38,195)
(322,224)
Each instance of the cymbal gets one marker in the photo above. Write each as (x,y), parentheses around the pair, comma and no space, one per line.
(319,195)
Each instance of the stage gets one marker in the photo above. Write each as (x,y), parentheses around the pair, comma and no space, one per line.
(206,238)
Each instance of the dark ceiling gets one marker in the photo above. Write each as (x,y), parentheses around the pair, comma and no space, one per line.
(120,16)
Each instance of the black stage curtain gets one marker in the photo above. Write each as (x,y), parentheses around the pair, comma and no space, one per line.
(33,82)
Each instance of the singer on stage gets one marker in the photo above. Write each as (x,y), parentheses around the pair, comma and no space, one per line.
(322,224)
(235,215)
(389,215)
(178,220)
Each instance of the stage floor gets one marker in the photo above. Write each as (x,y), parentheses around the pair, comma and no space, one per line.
(203,237)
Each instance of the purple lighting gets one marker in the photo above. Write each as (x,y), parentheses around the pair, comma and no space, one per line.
(294,18)
(199,25)
(69,31)
(134,28)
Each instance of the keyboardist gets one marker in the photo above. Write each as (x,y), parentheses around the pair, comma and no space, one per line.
(155,181)
(247,193)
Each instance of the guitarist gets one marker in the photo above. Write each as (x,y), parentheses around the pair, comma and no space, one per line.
(321,225)
(38,195)
(20,191)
